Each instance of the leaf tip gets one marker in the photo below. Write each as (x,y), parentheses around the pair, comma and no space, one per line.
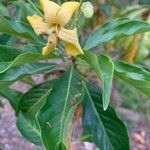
(105,107)
(105,104)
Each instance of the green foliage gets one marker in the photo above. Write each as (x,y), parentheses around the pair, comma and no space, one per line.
(114,30)
(133,75)
(59,107)
(104,68)
(133,99)
(12,57)
(33,100)
(28,131)
(16,73)
(3,10)
(19,29)
(13,97)
(29,105)
(44,113)
(102,127)
(144,2)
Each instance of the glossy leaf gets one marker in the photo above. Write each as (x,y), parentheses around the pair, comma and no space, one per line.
(33,100)
(20,60)
(4,38)
(144,2)
(11,57)
(28,80)
(19,72)
(3,10)
(103,128)
(28,131)
(12,96)
(133,75)
(115,29)
(104,68)
(59,107)
(30,103)
(28,9)
(9,53)
(19,29)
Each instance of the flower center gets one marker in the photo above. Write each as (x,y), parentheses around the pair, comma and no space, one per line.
(54,29)
(51,30)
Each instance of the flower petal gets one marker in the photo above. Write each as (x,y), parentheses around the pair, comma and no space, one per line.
(71,50)
(70,37)
(50,11)
(37,24)
(51,44)
(66,11)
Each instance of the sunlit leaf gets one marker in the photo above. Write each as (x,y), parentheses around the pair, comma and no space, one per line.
(104,68)
(115,29)
(3,10)
(11,57)
(133,75)
(31,102)
(59,107)
(19,72)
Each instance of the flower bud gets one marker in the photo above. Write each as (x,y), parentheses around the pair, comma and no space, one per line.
(87,9)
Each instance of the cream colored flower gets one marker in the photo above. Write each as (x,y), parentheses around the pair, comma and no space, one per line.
(53,24)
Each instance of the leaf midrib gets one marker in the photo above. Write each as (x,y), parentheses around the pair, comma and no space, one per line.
(41,98)
(93,106)
(65,105)
(34,129)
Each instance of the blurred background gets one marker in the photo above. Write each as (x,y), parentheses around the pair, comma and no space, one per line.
(132,106)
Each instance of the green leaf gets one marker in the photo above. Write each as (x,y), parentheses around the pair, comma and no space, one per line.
(144,2)
(115,29)
(12,96)
(4,38)
(59,107)
(11,57)
(27,9)
(19,72)
(103,128)
(1,148)
(28,80)
(19,29)
(9,53)
(24,12)
(28,131)
(21,60)
(133,75)
(33,100)
(3,10)
(104,68)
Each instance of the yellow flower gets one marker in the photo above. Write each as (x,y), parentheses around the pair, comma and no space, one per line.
(53,24)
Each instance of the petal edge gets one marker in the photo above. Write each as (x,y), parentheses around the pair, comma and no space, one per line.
(37,24)
(51,44)
(70,37)
(50,9)
(66,11)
